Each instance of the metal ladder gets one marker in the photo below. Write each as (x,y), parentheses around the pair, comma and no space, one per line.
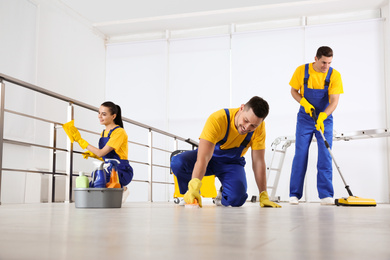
(288,140)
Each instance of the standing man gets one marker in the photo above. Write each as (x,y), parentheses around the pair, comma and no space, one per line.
(225,139)
(315,86)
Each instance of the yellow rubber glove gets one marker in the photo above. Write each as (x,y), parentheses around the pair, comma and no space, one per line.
(307,106)
(77,137)
(193,192)
(68,131)
(320,121)
(265,202)
(88,154)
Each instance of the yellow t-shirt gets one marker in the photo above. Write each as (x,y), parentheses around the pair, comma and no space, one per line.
(118,141)
(216,127)
(316,80)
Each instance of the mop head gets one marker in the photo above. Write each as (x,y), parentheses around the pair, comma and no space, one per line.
(355,201)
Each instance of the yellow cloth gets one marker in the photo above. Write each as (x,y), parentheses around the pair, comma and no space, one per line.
(216,126)
(316,80)
(68,129)
(119,141)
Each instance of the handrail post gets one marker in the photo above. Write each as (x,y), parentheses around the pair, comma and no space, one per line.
(175,148)
(53,157)
(69,159)
(2,99)
(150,169)
(175,144)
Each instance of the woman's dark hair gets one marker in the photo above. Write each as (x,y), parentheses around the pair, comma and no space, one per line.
(115,110)
(259,106)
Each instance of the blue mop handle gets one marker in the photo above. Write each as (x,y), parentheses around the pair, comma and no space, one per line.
(314,116)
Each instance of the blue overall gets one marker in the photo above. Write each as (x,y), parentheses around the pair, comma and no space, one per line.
(319,98)
(124,170)
(227,165)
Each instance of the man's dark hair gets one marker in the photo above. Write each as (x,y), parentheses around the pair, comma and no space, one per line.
(324,51)
(259,107)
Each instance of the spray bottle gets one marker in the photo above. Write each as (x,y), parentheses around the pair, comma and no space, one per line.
(98,176)
(114,178)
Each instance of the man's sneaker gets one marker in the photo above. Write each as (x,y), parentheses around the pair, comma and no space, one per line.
(125,194)
(218,199)
(327,201)
(294,201)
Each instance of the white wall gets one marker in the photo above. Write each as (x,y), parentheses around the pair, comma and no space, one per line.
(70,62)
(206,74)
(43,44)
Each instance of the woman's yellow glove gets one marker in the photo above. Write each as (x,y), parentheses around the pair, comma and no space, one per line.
(74,135)
(193,192)
(88,154)
(307,106)
(320,121)
(265,202)
(77,137)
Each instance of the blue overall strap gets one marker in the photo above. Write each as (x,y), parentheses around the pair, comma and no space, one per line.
(109,133)
(307,75)
(247,139)
(228,126)
(103,141)
(327,79)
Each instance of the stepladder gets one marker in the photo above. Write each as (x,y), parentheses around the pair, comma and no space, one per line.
(276,164)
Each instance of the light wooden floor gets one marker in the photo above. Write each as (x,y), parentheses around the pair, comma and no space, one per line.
(168,231)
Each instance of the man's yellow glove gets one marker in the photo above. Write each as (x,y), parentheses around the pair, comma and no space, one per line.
(193,192)
(265,202)
(307,106)
(77,137)
(320,121)
(88,154)
(67,129)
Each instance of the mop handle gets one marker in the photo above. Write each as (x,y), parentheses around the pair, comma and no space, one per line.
(314,116)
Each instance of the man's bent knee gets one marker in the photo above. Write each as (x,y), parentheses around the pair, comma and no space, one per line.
(234,200)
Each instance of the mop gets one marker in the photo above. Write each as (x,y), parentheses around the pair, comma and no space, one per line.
(351,200)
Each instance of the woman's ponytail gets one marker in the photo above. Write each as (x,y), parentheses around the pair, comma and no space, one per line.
(115,110)
(118,118)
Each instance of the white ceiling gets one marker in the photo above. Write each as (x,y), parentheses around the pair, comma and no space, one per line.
(115,18)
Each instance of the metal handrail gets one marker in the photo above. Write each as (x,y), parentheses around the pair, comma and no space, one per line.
(86,106)
(69,171)
(65,150)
